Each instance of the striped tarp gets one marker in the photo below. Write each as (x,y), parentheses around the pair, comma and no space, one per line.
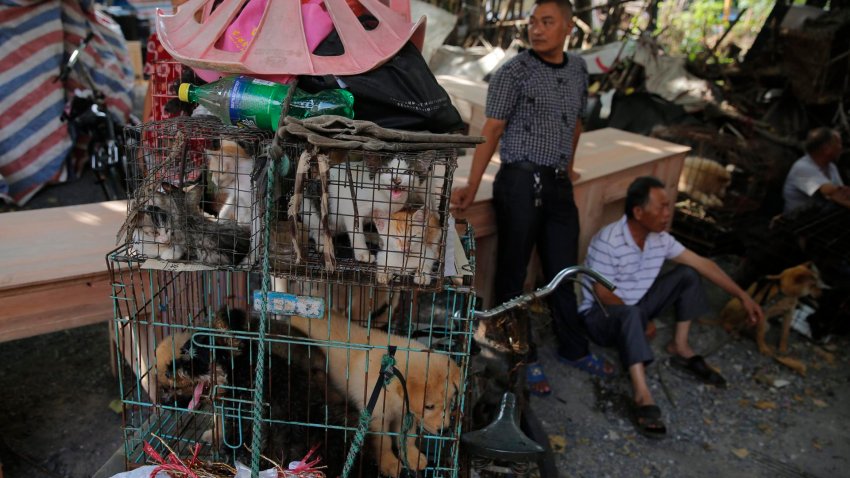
(35,38)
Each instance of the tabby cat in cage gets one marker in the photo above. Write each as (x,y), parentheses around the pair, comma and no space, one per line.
(172,226)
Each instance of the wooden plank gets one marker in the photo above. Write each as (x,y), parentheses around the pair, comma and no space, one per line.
(28,312)
(54,273)
(44,245)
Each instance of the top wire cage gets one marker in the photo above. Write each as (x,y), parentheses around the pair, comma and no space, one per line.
(194,200)
(367,218)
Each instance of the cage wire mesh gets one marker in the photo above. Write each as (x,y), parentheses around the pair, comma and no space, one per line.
(723,183)
(372,218)
(189,340)
(194,198)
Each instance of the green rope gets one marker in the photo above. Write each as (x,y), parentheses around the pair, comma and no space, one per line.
(357,443)
(387,370)
(259,379)
(387,363)
(406,425)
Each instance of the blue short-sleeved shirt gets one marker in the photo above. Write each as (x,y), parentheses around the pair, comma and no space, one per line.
(541,103)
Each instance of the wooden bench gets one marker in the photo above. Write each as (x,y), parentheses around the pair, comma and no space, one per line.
(53,272)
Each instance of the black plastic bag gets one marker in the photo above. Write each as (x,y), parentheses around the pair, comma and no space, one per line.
(401,93)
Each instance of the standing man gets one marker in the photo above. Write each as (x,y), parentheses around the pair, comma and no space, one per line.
(534,105)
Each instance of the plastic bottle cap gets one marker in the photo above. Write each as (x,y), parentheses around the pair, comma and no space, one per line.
(183,92)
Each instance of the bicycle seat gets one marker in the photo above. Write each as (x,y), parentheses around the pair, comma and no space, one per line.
(503,439)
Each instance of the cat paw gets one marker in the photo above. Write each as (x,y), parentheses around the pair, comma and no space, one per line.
(382,278)
(364,256)
(422,279)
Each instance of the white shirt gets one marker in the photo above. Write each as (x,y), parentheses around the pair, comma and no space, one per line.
(614,254)
(804,179)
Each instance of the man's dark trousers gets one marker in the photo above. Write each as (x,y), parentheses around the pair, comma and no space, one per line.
(553,226)
(625,325)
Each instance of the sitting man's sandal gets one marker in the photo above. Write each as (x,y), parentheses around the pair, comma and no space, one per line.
(697,367)
(648,421)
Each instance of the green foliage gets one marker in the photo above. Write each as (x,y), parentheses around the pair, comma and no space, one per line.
(690,28)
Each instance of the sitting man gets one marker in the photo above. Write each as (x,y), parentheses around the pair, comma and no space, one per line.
(815,176)
(630,252)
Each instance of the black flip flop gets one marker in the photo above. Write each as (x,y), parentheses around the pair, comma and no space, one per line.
(648,421)
(697,367)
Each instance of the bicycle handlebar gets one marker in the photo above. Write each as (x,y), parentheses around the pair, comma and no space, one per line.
(545,290)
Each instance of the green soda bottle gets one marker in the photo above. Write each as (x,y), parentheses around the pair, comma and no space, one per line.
(246,101)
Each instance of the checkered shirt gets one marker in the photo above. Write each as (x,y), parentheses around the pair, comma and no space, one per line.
(541,103)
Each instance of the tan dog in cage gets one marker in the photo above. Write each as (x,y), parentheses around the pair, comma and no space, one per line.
(705,180)
(433,383)
(778,295)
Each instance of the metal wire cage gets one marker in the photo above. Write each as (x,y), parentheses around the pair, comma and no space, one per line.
(371,218)
(194,198)
(723,184)
(192,348)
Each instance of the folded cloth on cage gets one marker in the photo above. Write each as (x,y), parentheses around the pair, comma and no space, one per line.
(330,131)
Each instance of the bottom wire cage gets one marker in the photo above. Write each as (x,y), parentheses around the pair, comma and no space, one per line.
(194,354)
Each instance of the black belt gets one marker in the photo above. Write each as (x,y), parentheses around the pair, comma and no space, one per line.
(559,173)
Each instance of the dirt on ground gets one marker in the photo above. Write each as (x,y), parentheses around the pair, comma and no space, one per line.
(769,422)
(55,415)
(56,391)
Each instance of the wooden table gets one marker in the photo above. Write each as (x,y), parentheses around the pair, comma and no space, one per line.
(53,273)
(608,160)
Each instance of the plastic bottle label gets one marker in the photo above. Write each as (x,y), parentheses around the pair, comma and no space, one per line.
(252,102)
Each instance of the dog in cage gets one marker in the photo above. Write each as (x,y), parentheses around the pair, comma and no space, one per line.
(295,391)
(705,180)
(167,223)
(378,185)
(433,386)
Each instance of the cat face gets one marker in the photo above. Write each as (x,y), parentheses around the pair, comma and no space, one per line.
(397,177)
(408,231)
(224,162)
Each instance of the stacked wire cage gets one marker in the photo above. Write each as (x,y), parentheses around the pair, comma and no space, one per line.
(722,187)
(194,199)
(367,217)
(259,354)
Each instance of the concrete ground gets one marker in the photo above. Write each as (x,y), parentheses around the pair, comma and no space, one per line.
(769,422)
(56,420)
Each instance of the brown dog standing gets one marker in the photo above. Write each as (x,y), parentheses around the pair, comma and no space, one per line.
(777,295)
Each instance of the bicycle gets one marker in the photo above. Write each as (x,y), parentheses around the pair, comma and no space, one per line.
(515,439)
(87,113)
